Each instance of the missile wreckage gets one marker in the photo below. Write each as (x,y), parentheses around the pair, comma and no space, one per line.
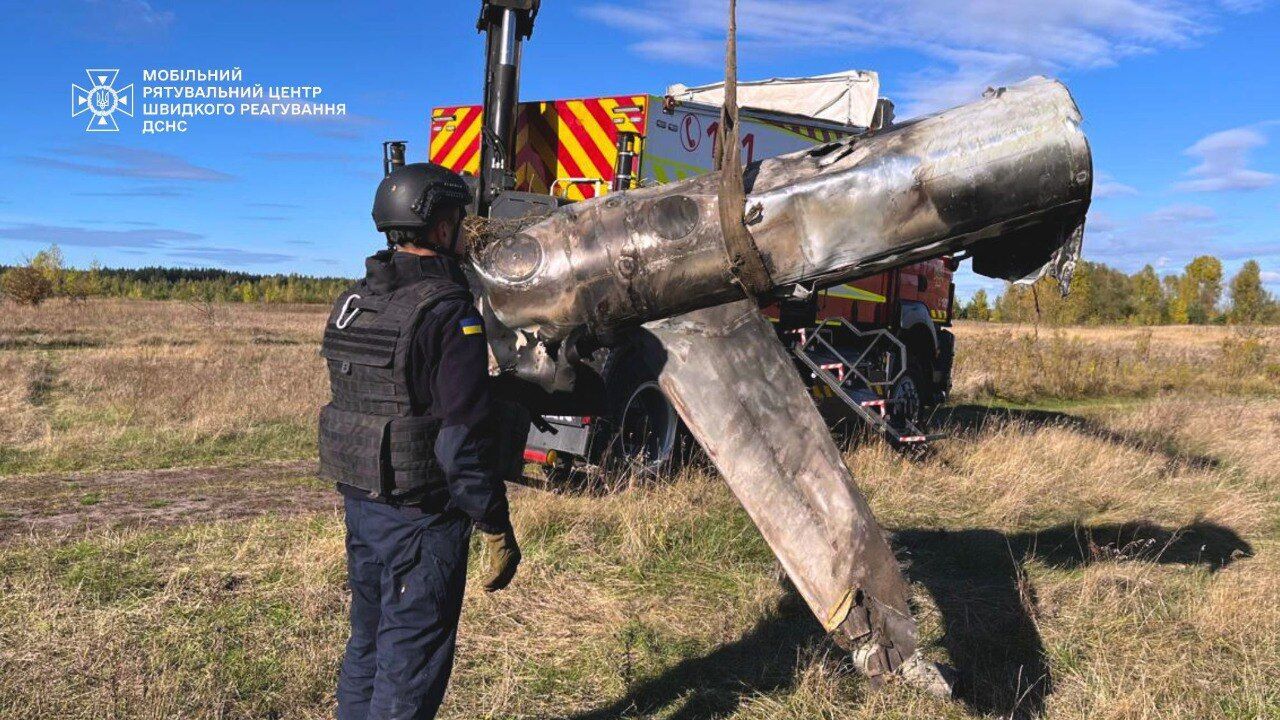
(678,274)
(1005,181)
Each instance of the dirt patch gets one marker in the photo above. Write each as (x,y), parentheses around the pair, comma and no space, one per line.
(75,503)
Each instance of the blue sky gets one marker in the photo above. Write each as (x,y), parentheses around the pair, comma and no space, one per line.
(1181,99)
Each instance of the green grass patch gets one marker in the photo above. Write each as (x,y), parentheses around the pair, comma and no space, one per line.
(1056,404)
(137,448)
(90,572)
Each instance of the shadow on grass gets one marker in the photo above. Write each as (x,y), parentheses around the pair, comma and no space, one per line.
(968,419)
(25,343)
(988,609)
(762,661)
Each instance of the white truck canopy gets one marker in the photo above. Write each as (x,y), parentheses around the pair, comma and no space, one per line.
(848,98)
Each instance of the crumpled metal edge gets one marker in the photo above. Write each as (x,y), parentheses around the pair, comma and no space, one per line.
(1062,264)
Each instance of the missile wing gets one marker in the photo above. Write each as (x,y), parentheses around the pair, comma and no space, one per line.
(1006,180)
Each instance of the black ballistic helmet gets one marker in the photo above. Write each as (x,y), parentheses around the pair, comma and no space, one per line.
(407,197)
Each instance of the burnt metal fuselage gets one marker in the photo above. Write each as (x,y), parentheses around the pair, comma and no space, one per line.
(1006,179)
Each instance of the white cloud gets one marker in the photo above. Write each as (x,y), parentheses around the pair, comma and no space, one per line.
(233,257)
(1242,6)
(1100,222)
(1166,236)
(968,282)
(123,161)
(1106,186)
(1180,214)
(92,237)
(1270,276)
(123,21)
(179,244)
(971,45)
(1224,157)
(1247,251)
(1170,236)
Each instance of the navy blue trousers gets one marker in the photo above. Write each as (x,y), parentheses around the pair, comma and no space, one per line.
(407,571)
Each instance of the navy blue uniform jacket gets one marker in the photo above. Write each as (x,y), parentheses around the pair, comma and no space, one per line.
(449,376)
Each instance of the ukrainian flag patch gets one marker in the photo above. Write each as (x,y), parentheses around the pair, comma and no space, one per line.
(472,326)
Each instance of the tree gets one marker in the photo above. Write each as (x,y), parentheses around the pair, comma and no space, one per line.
(978,308)
(49,263)
(1103,295)
(80,285)
(1112,298)
(1015,304)
(1149,307)
(26,285)
(1201,288)
(1250,302)
(1176,304)
(1074,309)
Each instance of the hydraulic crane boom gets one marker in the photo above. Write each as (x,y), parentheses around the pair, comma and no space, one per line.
(506,24)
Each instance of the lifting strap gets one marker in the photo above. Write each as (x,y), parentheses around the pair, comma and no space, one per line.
(745,261)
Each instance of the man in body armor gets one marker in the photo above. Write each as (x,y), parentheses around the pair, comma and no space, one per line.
(410,438)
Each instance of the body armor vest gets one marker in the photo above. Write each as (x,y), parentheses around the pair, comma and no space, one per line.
(371,435)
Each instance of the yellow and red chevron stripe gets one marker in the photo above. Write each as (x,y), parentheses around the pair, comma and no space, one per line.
(455,138)
(565,140)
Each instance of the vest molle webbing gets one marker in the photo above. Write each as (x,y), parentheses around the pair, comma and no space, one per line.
(371,436)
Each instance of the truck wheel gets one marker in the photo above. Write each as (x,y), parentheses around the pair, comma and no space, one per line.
(648,429)
(946,359)
(911,390)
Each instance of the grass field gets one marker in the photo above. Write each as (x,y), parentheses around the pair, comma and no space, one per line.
(1097,540)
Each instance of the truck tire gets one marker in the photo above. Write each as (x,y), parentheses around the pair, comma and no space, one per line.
(649,429)
(946,361)
(642,429)
(913,389)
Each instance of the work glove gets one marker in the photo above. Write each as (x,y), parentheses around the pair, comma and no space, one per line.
(503,555)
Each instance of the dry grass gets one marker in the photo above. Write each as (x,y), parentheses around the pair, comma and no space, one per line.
(117,384)
(1024,364)
(130,384)
(1100,559)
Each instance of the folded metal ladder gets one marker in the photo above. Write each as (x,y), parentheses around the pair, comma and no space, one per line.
(861,383)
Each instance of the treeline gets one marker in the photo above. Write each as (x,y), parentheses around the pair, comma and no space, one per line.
(46,276)
(1102,295)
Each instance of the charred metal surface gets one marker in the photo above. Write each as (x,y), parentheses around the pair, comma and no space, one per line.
(735,387)
(1006,179)
(1012,168)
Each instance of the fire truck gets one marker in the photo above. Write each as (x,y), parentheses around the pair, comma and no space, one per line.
(876,351)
